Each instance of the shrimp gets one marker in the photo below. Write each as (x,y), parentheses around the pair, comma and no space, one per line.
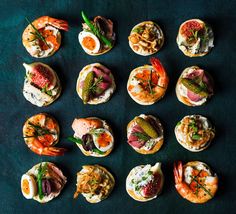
(41,133)
(41,38)
(152,82)
(197,187)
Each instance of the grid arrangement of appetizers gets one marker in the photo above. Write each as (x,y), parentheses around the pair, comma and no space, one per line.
(146,85)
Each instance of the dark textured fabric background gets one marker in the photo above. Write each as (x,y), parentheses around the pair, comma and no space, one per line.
(16,158)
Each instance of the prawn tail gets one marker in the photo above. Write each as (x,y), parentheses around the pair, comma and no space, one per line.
(178,172)
(59,23)
(53,151)
(157,65)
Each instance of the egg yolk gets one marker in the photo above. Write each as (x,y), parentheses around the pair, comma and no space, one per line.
(104,139)
(89,43)
(25,186)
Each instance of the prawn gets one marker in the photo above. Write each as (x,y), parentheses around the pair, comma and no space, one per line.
(41,38)
(200,189)
(41,133)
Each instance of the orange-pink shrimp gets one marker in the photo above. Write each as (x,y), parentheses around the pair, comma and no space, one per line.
(49,40)
(41,133)
(195,182)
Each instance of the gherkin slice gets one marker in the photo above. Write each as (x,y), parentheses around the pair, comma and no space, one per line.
(88,82)
(147,127)
(192,86)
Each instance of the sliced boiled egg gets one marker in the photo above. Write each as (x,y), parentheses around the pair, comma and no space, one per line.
(89,42)
(103,139)
(28,186)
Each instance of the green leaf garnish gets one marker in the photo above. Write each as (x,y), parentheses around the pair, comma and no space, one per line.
(138,30)
(178,123)
(80,142)
(141,136)
(75,140)
(196,137)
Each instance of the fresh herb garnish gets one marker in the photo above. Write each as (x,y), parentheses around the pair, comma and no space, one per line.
(46,91)
(39,131)
(96,83)
(138,30)
(178,123)
(150,83)
(201,186)
(96,31)
(41,172)
(37,33)
(196,137)
(80,142)
(141,136)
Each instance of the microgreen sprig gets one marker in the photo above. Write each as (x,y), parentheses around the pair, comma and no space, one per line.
(37,33)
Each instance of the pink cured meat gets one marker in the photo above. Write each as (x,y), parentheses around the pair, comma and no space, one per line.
(98,72)
(133,140)
(198,73)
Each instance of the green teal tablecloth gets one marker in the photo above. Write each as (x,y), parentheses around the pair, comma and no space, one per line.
(16,158)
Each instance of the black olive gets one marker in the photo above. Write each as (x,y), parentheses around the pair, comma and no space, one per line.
(88,144)
(46,186)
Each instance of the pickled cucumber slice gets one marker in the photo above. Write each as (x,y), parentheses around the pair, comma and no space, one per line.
(87,84)
(192,86)
(147,127)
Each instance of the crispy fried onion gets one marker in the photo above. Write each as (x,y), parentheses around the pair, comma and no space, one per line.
(145,38)
(92,181)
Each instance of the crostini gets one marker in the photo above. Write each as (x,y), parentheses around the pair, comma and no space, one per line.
(145,134)
(147,84)
(95,183)
(195,181)
(145,182)
(42,85)
(42,182)
(97,36)
(93,136)
(195,38)
(95,84)
(194,132)
(146,38)
(194,86)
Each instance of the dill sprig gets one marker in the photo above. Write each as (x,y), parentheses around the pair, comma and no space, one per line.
(141,136)
(96,83)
